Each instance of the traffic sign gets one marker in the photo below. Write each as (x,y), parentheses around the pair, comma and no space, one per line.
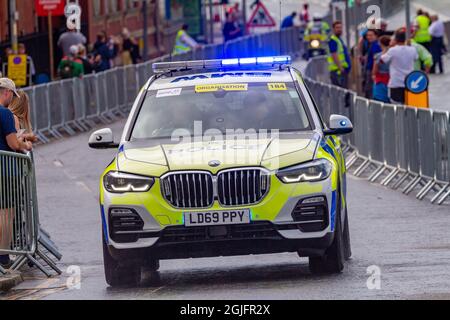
(17,69)
(47,7)
(416,93)
(417,82)
(261,17)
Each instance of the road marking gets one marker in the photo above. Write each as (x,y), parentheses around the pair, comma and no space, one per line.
(84,186)
(24,293)
(58,164)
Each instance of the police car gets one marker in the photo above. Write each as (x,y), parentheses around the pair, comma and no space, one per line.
(219,158)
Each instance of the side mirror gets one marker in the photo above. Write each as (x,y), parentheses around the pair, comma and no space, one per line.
(339,125)
(103,139)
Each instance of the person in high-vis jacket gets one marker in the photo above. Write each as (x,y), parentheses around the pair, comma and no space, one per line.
(339,63)
(317,27)
(422,25)
(183,42)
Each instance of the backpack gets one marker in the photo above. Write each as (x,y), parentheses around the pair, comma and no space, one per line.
(66,70)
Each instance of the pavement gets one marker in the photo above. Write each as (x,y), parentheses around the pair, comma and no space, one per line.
(405,239)
(10,280)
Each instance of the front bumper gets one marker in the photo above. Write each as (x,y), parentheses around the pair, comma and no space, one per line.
(258,238)
(273,228)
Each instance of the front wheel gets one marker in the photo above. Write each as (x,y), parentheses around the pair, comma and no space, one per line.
(334,258)
(347,242)
(117,275)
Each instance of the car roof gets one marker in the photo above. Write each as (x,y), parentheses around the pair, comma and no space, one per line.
(222,77)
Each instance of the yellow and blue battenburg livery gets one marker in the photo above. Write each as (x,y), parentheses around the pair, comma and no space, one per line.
(224,157)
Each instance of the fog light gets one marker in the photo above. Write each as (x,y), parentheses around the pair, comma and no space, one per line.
(313,200)
(121,211)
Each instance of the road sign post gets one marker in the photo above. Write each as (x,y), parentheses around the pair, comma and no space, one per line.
(50,9)
(416,93)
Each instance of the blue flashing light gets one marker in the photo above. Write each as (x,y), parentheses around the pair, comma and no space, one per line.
(265,60)
(247,61)
(282,59)
(343,123)
(256,61)
(230,62)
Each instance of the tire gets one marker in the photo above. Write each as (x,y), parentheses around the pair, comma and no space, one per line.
(117,275)
(347,241)
(152,265)
(333,260)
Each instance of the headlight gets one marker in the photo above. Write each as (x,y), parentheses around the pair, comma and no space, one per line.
(317,170)
(315,44)
(117,182)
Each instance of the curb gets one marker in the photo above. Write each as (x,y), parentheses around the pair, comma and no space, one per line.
(9,281)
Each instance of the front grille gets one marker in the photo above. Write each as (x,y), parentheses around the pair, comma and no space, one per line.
(190,190)
(242,187)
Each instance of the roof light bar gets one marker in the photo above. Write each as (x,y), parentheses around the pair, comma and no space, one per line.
(260,62)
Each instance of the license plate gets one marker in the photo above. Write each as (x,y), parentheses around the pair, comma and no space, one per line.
(217,218)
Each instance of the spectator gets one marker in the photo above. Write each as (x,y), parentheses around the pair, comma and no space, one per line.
(88,60)
(20,107)
(381,72)
(184,42)
(8,52)
(304,15)
(238,14)
(130,49)
(372,49)
(114,43)
(339,63)
(70,38)
(9,141)
(104,52)
(383,31)
(425,60)
(230,29)
(288,22)
(71,66)
(437,32)
(32,70)
(422,25)
(401,59)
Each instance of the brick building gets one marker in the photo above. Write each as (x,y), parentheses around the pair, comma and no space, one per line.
(97,15)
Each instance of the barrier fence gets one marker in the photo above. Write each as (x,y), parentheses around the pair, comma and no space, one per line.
(20,234)
(395,145)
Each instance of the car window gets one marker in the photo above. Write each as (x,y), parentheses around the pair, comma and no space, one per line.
(263,106)
(310,99)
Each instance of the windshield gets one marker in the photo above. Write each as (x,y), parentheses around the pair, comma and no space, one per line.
(223,107)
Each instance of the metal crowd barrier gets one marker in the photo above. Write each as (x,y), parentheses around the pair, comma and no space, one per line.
(20,233)
(394,145)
